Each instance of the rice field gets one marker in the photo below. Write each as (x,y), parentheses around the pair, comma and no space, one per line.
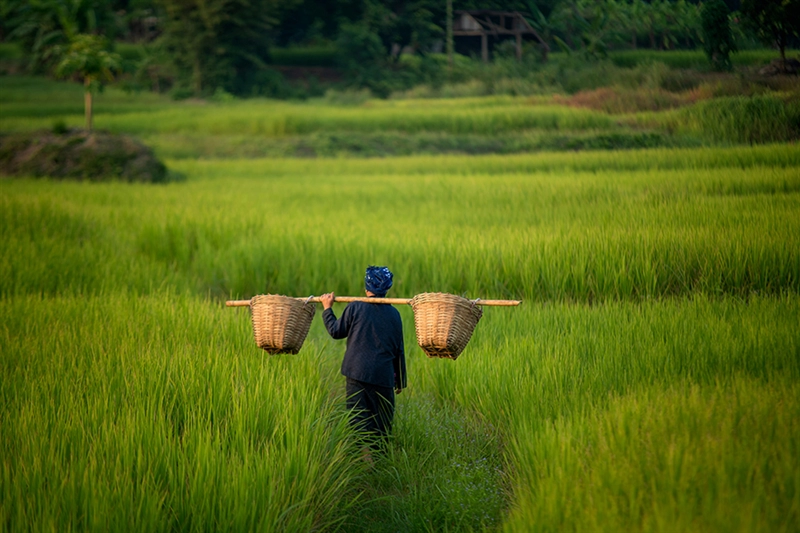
(649,381)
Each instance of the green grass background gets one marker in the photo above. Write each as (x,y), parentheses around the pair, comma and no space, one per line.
(647,383)
(257,128)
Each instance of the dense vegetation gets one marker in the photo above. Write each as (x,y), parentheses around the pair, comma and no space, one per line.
(226,47)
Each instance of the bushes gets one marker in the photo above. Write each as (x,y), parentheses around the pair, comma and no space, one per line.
(310,56)
(82,155)
(717,37)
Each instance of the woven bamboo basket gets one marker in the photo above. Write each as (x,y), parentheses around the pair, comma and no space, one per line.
(280,323)
(444,323)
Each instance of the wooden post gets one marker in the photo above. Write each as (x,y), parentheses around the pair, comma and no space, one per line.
(484,47)
(519,46)
(87,102)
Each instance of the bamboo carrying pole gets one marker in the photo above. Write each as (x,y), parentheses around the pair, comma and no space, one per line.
(390,301)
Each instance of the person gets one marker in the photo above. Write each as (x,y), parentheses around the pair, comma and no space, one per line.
(374,363)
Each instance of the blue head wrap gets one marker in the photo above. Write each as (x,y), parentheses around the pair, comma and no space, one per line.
(378,280)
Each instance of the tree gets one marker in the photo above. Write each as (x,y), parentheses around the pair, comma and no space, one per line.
(402,23)
(589,21)
(363,57)
(220,43)
(42,25)
(88,56)
(773,21)
(543,25)
(688,22)
(717,37)
(309,21)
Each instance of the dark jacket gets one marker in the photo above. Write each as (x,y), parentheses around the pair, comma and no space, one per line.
(375,353)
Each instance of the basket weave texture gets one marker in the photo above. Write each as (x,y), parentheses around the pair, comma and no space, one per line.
(280,323)
(444,323)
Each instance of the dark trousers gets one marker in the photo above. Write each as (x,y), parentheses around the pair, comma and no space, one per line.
(372,408)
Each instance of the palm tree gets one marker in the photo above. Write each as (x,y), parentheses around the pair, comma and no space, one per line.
(87,55)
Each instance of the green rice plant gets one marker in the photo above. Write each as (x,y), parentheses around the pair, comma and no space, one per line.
(520,226)
(159,412)
(779,156)
(757,119)
(289,129)
(656,416)
(693,458)
(648,381)
(128,413)
(384,144)
(278,120)
(143,114)
(442,471)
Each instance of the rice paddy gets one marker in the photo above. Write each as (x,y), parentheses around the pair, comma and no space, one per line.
(649,381)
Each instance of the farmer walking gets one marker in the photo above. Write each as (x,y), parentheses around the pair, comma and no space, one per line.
(374,362)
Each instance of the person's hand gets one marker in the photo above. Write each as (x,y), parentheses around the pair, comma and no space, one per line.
(327,300)
(398,390)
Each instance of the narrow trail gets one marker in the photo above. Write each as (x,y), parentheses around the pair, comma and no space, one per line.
(442,471)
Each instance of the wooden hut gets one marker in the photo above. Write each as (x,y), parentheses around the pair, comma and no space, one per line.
(494,24)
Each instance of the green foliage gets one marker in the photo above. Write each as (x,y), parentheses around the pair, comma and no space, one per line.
(223,44)
(315,23)
(88,57)
(773,21)
(590,22)
(717,37)
(363,58)
(400,23)
(306,56)
(687,59)
(42,25)
(10,51)
(594,27)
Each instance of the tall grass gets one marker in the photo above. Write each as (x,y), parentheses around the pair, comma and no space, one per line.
(691,458)
(652,417)
(159,413)
(127,413)
(648,382)
(260,126)
(515,227)
(280,119)
(759,119)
